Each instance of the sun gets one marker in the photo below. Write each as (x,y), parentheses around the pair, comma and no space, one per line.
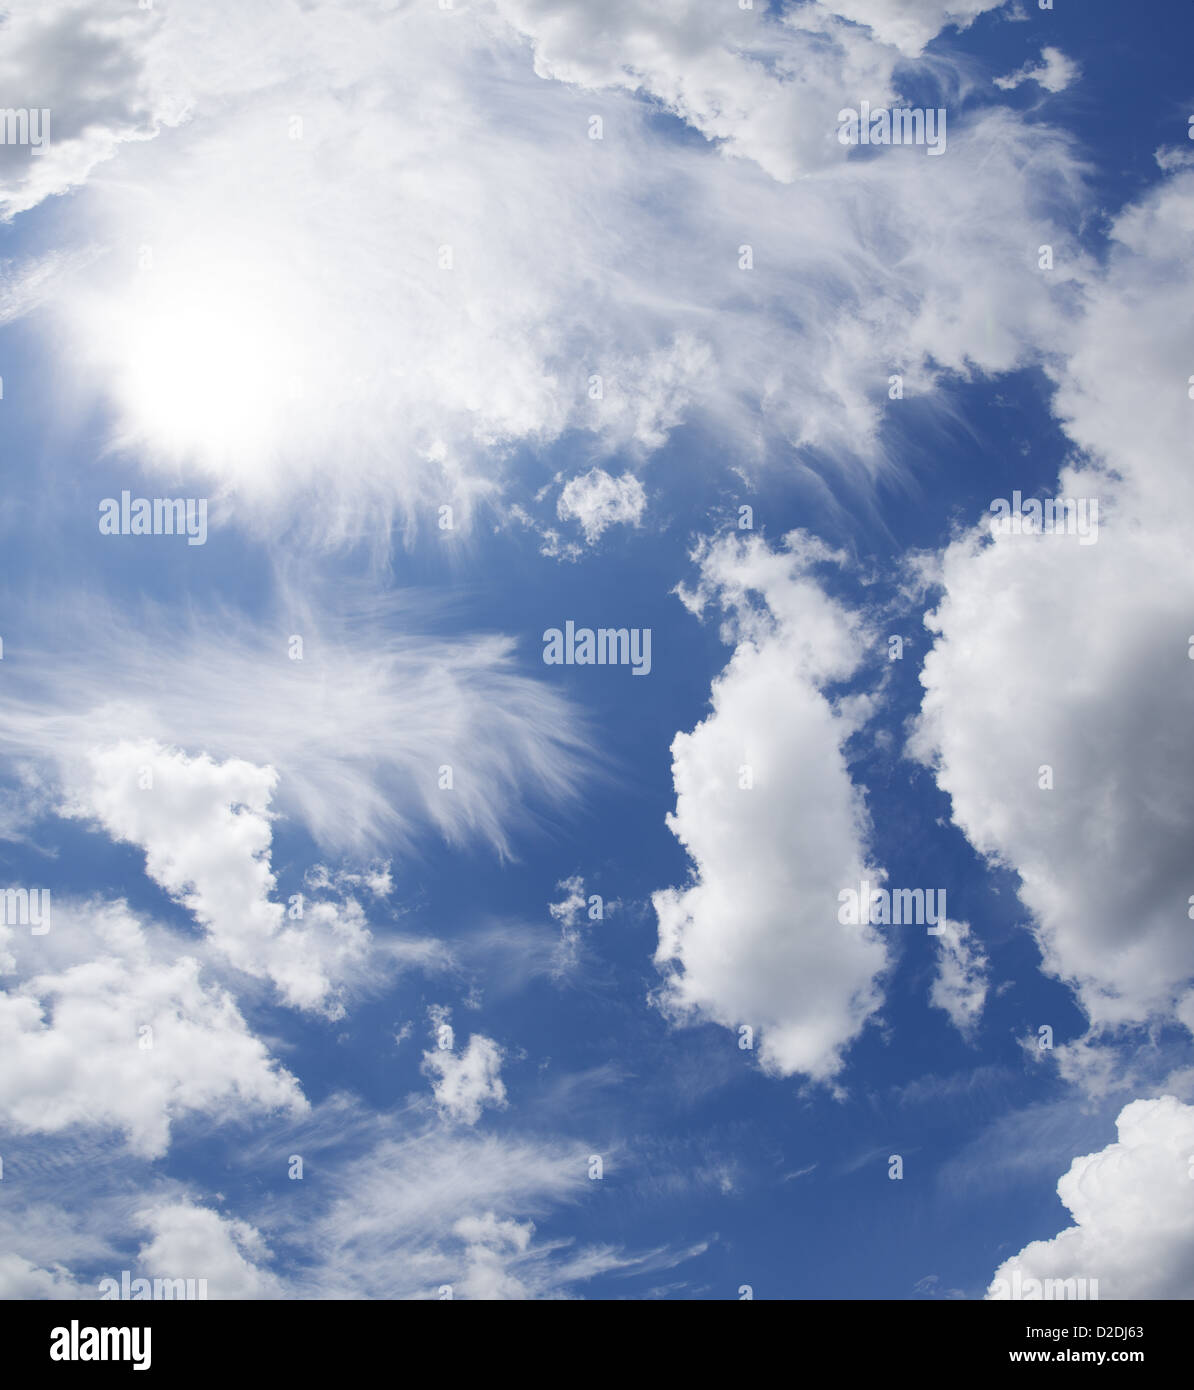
(207,362)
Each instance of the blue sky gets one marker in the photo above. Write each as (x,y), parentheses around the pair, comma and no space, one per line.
(296,352)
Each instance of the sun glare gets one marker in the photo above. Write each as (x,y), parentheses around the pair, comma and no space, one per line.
(208,364)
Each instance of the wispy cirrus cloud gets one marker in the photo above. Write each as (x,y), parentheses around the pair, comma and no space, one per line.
(243,316)
(373,736)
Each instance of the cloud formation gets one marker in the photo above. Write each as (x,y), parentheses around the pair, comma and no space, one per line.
(1133,1210)
(109,1023)
(960,982)
(374,735)
(755,939)
(1068,759)
(465,1082)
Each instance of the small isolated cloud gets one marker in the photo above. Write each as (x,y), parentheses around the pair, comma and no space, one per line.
(754,939)
(1054,73)
(1133,1209)
(574,912)
(960,985)
(568,912)
(376,878)
(465,1082)
(597,500)
(931,1287)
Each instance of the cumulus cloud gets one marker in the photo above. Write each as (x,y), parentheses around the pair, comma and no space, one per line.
(467,1081)
(108,1023)
(21,1279)
(205,829)
(755,938)
(189,1241)
(597,501)
(1054,72)
(960,982)
(1058,697)
(765,89)
(1133,1210)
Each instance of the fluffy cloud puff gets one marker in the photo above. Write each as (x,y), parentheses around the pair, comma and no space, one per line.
(1133,1209)
(466,1081)
(1054,72)
(74,1021)
(192,1242)
(755,938)
(597,501)
(1052,653)
(205,829)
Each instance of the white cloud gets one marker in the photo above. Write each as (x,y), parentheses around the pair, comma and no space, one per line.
(74,1025)
(910,24)
(755,939)
(570,908)
(575,912)
(376,878)
(1133,1210)
(465,1082)
(568,912)
(960,983)
(89,66)
(598,501)
(20,1279)
(1054,73)
(490,1244)
(205,828)
(386,385)
(768,90)
(1050,653)
(453,1207)
(356,733)
(194,1242)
